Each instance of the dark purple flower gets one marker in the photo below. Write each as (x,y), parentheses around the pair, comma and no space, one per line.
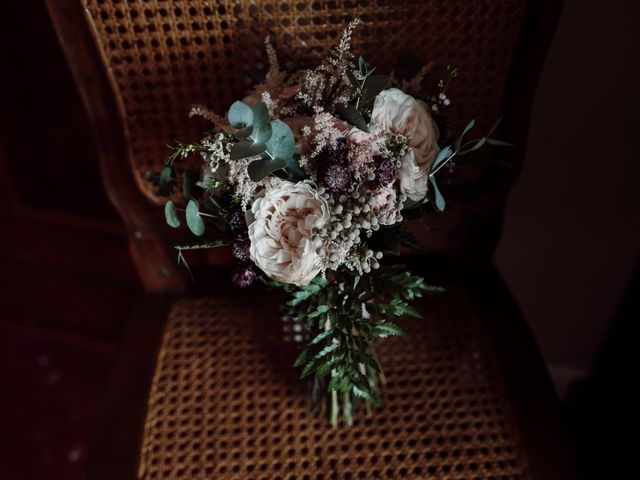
(333,167)
(237,221)
(385,171)
(243,275)
(240,248)
(336,178)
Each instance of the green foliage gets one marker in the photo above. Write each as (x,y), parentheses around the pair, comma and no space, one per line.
(340,353)
(259,169)
(443,156)
(352,115)
(181,151)
(196,246)
(190,188)
(194,220)
(384,329)
(282,144)
(246,148)
(170,214)
(458,149)
(243,133)
(254,129)
(201,245)
(369,87)
(258,135)
(261,123)
(439,199)
(240,115)
(166,182)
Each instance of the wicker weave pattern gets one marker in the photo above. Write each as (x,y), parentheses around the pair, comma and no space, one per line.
(226,404)
(163,55)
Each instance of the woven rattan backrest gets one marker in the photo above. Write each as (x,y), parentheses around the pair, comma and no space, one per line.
(162,56)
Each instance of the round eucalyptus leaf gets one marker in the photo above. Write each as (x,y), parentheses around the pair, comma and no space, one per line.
(240,115)
(261,123)
(170,214)
(261,168)
(166,182)
(243,133)
(194,220)
(246,148)
(282,144)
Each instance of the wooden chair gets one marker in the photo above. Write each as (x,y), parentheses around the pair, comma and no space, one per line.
(204,388)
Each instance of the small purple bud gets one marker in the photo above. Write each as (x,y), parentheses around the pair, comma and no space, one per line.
(237,221)
(243,276)
(240,248)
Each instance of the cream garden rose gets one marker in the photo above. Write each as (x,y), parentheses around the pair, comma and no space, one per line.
(395,111)
(281,233)
(414,179)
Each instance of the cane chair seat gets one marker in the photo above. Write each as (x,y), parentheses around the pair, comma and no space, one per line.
(225,402)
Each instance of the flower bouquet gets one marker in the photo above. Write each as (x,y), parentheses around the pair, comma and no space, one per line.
(311,180)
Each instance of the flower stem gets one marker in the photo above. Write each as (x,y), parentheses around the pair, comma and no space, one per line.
(333,419)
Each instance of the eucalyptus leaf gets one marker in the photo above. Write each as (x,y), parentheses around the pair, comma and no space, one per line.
(170,214)
(442,156)
(294,168)
(261,168)
(474,145)
(194,220)
(353,116)
(282,144)
(261,123)
(243,133)
(246,148)
(495,125)
(466,130)
(190,188)
(440,203)
(498,143)
(240,115)
(152,176)
(166,182)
